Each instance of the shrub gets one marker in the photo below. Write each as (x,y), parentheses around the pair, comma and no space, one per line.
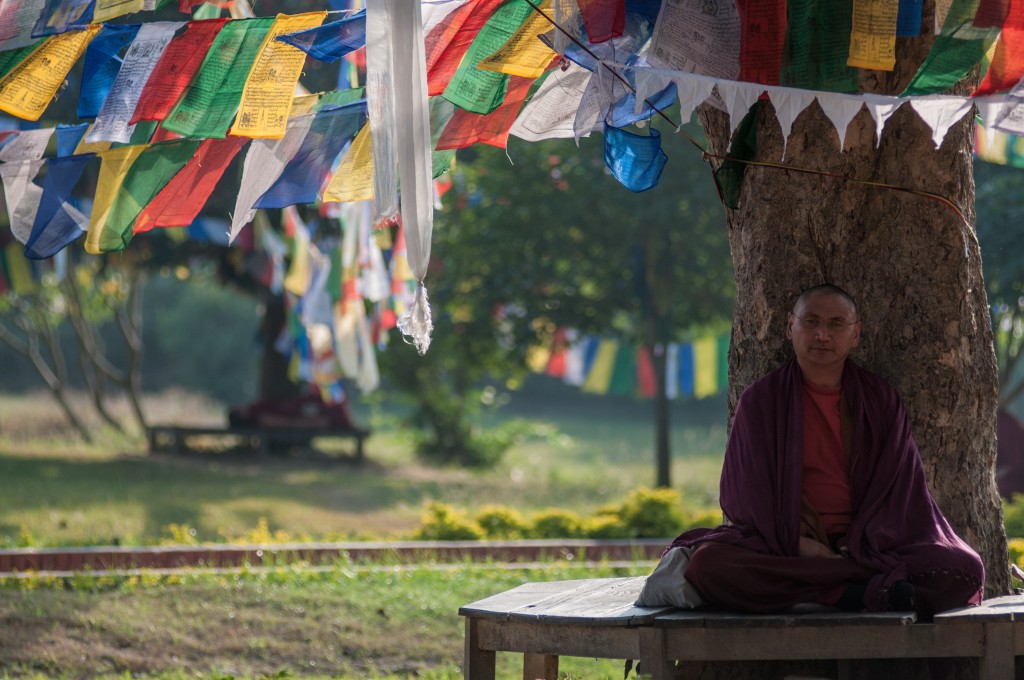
(501,522)
(1016,546)
(555,523)
(1013,516)
(442,523)
(605,526)
(652,513)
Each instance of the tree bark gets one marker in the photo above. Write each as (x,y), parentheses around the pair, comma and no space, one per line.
(911,263)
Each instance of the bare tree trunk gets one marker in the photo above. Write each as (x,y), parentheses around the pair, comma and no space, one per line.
(129,320)
(912,264)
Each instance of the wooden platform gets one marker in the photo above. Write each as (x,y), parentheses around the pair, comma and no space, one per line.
(262,440)
(596,618)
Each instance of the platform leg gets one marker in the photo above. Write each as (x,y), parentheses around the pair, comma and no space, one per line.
(540,667)
(478,663)
(997,663)
(653,659)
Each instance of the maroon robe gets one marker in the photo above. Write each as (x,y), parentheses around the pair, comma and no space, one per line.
(897,532)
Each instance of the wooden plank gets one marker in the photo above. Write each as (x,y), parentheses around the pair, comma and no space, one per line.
(1005,608)
(654,660)
(540,667)
(696,618)
(498,606)
(559,639)
(997,661)
(804,642)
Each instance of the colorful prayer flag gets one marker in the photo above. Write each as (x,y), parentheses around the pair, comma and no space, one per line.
(332,41)
(600,375)
(29,88)
(353,180)
(114,169)
(446,44)
(524,54)
(603,19)
(466,128)
(705,360)
(101,67)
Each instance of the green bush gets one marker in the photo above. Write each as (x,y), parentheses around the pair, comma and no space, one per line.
(442,523)
(1016,546)
(605,526)
(501,522)
(652,513)
(554,523)
(1013,516)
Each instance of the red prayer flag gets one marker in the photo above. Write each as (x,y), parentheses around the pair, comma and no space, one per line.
(646,381)
(175,69)
(603,19)
(465,128)
(1007,67)
(178,203)
(992,13)
(163,135)
(762,35)
(447,42)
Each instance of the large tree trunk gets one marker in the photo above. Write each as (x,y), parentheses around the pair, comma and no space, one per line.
(911,263)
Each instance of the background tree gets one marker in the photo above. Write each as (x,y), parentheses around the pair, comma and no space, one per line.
(913,264)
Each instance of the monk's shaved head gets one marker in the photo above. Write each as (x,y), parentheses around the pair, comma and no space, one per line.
(825,289)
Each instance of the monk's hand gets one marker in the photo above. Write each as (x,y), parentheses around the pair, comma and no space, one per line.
(811,548)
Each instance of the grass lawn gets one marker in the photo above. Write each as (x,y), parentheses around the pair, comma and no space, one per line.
(586,451)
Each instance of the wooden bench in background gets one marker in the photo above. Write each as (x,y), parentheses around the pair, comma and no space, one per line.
(596,618)
(263,440)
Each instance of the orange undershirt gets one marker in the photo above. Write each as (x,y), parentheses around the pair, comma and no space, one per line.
(826,482)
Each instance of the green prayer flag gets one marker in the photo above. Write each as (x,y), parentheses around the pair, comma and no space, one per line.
(624,371)
(211,99)
(11,58)
(340,98)
(208,10)
(150,173)
(818,44)
(479,91)
(957,49)
(441,111)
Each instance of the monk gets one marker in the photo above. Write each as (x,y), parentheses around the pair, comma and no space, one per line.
(823,491)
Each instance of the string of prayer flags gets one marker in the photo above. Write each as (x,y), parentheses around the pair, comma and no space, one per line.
(178,204)
(58,223)
(331,41)
(101,67)
(113,122)
(600,367)
(446,44)
(113,170)
(957,49)
(59,16)
(267,94)
(301,179)
(211,99)
(623,379)
(30,86)
(636,161)
(478,91)
(174,71)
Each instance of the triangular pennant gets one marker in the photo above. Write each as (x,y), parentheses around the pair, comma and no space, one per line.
(881,109)
(789,104)
(940,113)
(840,109)
(738,98)
(649,82)
(692,92)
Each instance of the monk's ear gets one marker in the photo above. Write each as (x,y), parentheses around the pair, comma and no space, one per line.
(856,334)
(789,326)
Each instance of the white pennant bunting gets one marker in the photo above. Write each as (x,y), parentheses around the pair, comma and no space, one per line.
(738,98)
(881,109)
(789,103)
(692,92)
(940,113)
(650,82)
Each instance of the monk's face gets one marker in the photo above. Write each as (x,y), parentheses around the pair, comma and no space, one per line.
(824,330)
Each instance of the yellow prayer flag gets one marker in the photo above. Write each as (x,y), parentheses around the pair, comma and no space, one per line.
(303,104)
(705,367)
(111,9)
(537,357)
(873,38)
(29,88)
(353,180)
(524,54)
(19,269)
(267,96)
(90,147)
(115,165)
(300,275)
(600,376)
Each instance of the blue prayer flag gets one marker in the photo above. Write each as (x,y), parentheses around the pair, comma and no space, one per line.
(908,19)
(589,353)
(623,112)
(686,370)
(59,16)
(102,65)
(635,160)
(55,227)
(332,41)
(302,178)
(68,137)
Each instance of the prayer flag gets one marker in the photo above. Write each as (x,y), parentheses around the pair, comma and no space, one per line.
(1007,67)
(600,375)
(267,95)
(646,381)
(178,204)
(68,137)
(466,128)
(603,19)
(446,44)
(818,46)
(148,175)
(17,22)
(332,41)
(480,91)
(114,168)
(21,195)
(672,370)
(687,371)
(59,16)
(113,122)
(353,180)
(908,22)
(19,270)
(957,49)
(705,362)
(57,222)
(524,54)
(301,179)
(101,67)
(873,40)
(11,58)
(174,71)
(111,9)
(762,35)
(623,380)
(29,88)
(211,99)
(537,357)
(636,161)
